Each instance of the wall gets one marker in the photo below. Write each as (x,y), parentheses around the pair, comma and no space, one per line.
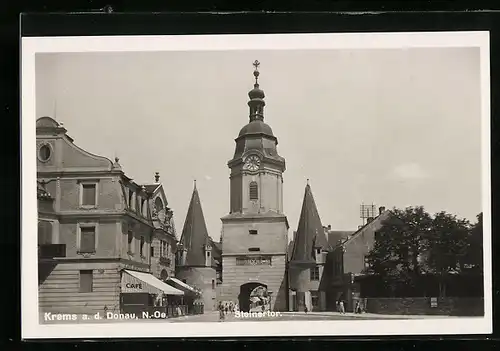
(156,265)
(138,229)
(201,278)
(271,237)
(421,305)
(273,276)
(109,197)
(360,245)
(107,232)
(59,293)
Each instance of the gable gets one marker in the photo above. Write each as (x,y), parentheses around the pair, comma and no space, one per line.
(56,151)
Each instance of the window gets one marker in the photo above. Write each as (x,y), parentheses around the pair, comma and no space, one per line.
(208,253)
(44,232)
(87,239)
(252,232)
(89,194)
(138,203)
(130,198)
(158,204)
(377,236)
(144,209)
(86,278)
(44,153)
(213,284)
(318,251)
(184,280)
(152,251)
(254,191)
(253,249)
(130,239)
(142,246)
(315,273)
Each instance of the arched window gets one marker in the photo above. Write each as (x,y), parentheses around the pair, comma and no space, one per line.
(254,191)
(158,204)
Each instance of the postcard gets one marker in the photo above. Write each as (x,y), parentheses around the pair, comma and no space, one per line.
(256,185)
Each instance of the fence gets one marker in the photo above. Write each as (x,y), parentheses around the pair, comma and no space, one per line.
(451,306)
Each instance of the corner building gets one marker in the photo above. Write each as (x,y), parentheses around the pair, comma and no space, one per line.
(255,232)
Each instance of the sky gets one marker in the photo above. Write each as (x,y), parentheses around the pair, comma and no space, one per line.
(392,127)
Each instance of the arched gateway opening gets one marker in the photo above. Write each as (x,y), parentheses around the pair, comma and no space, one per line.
(254,297)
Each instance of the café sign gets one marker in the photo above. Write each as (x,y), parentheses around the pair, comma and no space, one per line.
(130,284)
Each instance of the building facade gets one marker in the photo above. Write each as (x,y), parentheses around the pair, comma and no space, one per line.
(95,225)
(255,232)
(164,242)
(195,263)
(306,267)
(347,262)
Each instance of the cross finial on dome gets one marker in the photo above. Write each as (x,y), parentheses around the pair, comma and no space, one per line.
(256,64)
(194,183)
(307,181)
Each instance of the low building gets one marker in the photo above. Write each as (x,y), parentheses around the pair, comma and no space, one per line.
(95,230)
(347,261)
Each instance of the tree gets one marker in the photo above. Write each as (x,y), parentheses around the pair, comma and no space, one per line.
(399,243)
(446,247)
(473,260)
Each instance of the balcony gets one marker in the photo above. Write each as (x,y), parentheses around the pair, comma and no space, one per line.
(165,260)
(49,251)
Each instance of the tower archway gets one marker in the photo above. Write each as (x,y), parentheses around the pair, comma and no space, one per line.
(253,295)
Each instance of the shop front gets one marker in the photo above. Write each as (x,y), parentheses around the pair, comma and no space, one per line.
(146,296)
(191,300)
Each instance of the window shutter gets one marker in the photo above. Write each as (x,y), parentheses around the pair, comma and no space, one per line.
(254,191)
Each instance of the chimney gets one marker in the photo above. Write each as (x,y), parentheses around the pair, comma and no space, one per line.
(381,210)
(157,177)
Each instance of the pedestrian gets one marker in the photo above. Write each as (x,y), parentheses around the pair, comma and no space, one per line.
(341,307)
(358,307)
(305,309)
(221,313)
(226,308)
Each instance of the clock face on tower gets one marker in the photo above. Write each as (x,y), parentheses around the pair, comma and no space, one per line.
(252,163)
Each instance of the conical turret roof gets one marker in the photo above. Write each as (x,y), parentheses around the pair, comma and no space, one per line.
(310,232)
(194,236)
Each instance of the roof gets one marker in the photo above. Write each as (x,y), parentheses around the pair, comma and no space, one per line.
(310,231)
(376,221)
(334,236)
(195,234)
(256,127)
(151,188)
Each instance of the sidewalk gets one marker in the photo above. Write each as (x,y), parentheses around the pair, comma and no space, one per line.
(368,315)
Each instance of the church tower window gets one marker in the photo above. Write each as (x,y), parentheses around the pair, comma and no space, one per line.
(254,191)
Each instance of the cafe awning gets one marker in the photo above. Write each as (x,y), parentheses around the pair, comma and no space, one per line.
(183,285)
(133,281)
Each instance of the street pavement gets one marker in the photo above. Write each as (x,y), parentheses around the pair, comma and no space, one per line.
(296,316)
(213,316)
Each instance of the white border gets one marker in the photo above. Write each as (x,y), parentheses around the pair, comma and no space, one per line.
(30,319)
